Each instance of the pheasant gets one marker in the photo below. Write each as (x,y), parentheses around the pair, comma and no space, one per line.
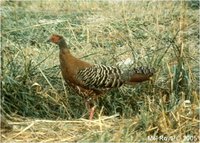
(94,80)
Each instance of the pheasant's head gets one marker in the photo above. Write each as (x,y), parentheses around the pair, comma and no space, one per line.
(55,39)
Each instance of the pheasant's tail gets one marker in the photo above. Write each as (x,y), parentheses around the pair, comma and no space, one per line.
(138,75)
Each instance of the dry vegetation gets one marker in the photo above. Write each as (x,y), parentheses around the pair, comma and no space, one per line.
(40,108)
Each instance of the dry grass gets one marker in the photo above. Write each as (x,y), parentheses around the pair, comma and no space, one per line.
(41,108)
(172,126)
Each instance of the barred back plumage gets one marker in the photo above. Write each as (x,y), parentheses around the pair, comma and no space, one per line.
(102,77)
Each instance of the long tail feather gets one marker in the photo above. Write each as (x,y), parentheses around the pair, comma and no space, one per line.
(136,75)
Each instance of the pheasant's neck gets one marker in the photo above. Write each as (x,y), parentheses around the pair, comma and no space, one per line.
(63,47)
(65,55)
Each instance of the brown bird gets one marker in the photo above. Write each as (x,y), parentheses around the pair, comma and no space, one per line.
(91,80)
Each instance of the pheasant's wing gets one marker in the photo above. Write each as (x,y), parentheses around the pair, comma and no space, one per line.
(100,77)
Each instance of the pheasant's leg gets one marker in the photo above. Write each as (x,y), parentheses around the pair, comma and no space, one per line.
(91,108)
(92,112)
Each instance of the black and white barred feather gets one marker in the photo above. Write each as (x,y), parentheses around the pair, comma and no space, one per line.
(102,77)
